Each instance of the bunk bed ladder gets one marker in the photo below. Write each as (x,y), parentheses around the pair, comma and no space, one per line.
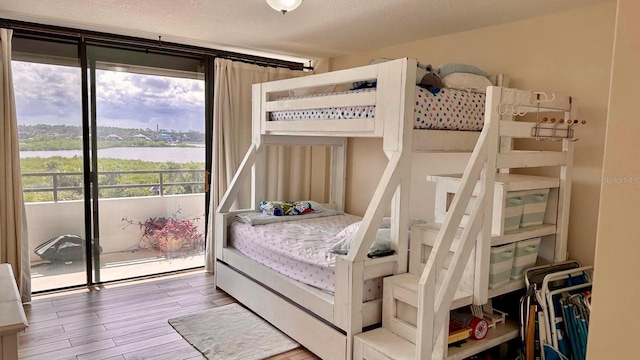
(437,285)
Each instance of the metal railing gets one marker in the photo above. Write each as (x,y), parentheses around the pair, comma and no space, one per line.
(57,182)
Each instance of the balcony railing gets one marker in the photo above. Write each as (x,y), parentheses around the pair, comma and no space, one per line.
(69,185)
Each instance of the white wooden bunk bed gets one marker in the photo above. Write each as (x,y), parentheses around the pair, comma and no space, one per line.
(326,323)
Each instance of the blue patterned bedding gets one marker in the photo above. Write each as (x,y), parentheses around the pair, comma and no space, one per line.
(449,109)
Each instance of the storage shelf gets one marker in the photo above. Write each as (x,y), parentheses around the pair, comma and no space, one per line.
(511,182)
(523,233)
(496,336)
(509,237)
(511,286)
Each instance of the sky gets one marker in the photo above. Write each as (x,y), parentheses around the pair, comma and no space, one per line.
(51,94)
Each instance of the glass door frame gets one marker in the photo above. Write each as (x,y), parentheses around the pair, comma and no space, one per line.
(90,160)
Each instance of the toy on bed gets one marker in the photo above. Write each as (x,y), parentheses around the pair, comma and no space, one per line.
(426,77)
(280,208)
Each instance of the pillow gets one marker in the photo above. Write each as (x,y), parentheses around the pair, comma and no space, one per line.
(381,245)
(347,231)
(450,68)
(466,81)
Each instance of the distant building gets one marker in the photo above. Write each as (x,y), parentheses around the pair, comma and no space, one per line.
(164,137)
(141,137)
(113,137)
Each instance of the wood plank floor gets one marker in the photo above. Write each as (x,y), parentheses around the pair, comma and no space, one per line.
(126,321)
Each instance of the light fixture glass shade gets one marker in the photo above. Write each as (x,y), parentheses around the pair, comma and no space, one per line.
(284,5)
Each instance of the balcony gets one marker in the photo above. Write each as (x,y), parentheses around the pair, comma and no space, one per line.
(121,255)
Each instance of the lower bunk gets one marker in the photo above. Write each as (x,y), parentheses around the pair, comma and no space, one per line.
(316,335)
(324,319)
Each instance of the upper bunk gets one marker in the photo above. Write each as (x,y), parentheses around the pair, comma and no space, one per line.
(395,109)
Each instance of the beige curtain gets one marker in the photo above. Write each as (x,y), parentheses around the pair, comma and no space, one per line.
(288,168)
(14,246)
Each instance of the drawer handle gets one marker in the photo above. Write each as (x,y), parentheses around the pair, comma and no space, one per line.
(515,201)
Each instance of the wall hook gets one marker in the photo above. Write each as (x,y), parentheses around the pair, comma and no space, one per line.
(543,97)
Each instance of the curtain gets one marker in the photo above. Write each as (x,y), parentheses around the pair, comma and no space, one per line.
(14,246)
(288,169)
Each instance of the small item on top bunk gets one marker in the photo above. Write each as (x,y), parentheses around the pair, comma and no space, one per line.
(280,208)
(429,79)
(426,77)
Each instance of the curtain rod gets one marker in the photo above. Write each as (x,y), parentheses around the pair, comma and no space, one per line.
(146,44)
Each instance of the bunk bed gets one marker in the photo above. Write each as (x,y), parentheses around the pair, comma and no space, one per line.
(326,320)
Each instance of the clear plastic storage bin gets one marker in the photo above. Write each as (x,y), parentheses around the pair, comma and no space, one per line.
(500,265)
(524,257)
(513,208)
(535,205)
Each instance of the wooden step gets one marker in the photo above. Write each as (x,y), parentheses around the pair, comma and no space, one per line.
(400,304)
(381,344)
(408,286)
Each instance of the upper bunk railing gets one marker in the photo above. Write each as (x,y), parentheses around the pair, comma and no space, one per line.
(389,98)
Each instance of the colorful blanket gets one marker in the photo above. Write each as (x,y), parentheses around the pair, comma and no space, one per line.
(280,208)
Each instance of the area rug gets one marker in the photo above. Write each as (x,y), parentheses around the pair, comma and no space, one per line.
(232,332)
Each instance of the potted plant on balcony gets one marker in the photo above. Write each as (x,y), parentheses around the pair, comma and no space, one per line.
(169,234)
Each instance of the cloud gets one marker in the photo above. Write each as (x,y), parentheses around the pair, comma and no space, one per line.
(47,92)
(51,94)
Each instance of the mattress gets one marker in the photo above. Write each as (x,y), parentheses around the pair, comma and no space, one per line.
(450,109)
(298,250)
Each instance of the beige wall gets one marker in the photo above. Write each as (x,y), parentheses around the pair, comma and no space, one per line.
(567,53)
(613,333)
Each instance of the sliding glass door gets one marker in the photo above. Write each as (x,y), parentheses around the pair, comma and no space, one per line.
(47,86)
(147,129)
(113,160)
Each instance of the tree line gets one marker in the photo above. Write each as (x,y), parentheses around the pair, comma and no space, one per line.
(69,137)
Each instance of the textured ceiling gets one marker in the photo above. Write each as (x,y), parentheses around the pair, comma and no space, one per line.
(317,29)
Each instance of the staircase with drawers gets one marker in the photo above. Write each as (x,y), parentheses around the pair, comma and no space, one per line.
(481,218)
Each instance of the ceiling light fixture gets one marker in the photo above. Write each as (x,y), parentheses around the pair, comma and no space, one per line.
(284,5)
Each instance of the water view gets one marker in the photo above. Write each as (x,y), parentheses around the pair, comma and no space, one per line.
(156,154)
(149,183)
